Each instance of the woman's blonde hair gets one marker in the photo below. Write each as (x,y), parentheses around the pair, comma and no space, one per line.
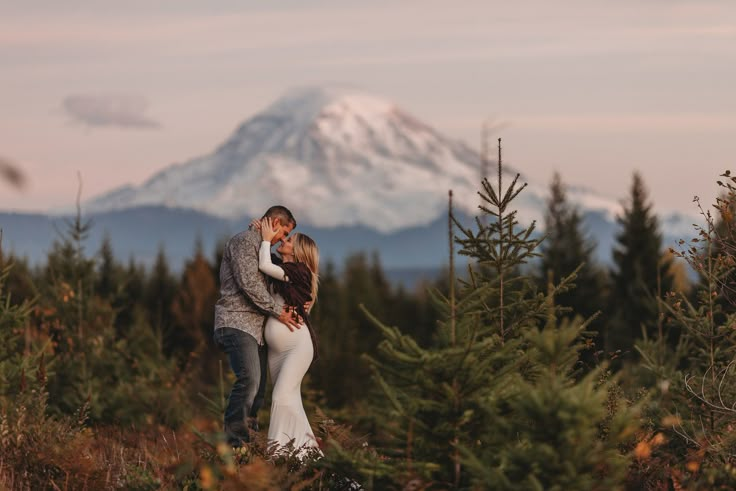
(307,252)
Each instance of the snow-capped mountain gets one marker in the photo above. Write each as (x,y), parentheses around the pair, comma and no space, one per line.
(338,157)
(360,174)
(341,157)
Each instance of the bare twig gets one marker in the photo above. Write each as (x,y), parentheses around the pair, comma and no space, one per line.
(699,393)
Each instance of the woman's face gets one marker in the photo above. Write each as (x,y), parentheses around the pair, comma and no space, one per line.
(287,246)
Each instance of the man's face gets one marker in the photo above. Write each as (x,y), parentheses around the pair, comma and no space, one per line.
(283,232)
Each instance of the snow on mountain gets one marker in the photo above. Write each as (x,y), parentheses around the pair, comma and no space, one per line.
(337,157)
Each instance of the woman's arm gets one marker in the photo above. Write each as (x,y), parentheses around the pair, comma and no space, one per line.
(265,264)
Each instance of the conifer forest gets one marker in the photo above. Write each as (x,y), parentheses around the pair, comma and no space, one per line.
(525,366)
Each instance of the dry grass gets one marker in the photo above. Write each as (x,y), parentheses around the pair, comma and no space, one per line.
(57,455)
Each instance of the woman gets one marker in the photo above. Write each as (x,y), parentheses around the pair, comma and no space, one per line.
(290,353)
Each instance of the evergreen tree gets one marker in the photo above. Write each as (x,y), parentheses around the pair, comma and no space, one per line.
(68,280)
(20,282)
(160,291)
(566,250)
(109,272)
(640,276)
(131,298)
(193,311)
(343,330)
(14,365)
(110,284)
(552,430)
(344,333)
(722,244)
(495,396)
(414,314)
(329,318)
(694,397)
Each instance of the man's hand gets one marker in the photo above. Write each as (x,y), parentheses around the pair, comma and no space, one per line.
(290,318)
(268,229)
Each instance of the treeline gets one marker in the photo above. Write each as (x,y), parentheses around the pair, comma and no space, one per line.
(627,295)
(534,368)
(174,312)
(153,320)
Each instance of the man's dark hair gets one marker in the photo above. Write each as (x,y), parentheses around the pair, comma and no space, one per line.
(282,213)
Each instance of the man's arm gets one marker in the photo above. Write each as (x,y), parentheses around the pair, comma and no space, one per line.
(244,264)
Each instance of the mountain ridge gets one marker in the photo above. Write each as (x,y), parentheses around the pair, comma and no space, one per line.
(359,173)
(341,157)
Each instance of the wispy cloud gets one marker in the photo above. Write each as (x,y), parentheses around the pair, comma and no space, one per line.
(119,110)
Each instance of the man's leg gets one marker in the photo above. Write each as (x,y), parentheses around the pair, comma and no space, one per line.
(261,395)
(242,352)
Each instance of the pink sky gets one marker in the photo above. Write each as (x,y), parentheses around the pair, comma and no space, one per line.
(593,89)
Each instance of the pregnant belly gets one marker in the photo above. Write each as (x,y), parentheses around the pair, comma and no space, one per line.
(280,338)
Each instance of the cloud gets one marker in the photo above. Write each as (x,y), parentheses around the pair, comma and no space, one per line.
(10,173)
(121,110)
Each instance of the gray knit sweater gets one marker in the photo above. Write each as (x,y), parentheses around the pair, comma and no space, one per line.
(245,301)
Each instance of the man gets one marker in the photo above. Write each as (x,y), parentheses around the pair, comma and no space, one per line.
(240,314)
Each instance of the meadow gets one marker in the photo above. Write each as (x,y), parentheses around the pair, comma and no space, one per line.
(535,368)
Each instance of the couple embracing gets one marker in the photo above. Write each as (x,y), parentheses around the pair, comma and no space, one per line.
(262,320)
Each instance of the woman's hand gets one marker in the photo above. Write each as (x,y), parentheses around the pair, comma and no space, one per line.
(268,231)
(255,223)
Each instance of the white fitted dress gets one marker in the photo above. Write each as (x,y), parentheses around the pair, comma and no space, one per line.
(289,356)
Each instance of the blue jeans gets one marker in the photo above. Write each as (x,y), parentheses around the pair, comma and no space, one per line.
(248,362)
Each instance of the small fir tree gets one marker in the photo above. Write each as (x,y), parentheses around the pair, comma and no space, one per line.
(494,395)
(132,295)
(640,276)
(564,250)
(160,290)
(109,272)
(15,364)
(693,381)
